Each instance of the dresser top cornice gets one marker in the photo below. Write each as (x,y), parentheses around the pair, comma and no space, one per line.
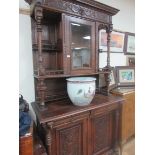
(89,3)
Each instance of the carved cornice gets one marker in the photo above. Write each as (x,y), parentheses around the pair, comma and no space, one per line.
(110,10)
(88,9)
(77,9)
(92,3)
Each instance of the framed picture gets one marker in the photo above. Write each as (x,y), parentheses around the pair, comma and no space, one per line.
(116,43)
(125,75)
(112,79)
(131,61)
(129,43)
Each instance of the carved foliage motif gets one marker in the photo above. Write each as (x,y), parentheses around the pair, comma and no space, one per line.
(78,10)
(107,27)
(101,133)
(70,141)
(38,17)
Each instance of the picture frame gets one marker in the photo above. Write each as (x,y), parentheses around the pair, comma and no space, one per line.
(125,75)
(116,42)
(129,44)
(131,61)
(113,83)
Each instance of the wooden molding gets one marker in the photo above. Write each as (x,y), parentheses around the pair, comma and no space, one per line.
(24,11)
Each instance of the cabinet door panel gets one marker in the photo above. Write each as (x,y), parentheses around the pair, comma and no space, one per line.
(102,133)
(80,42)
(70,139)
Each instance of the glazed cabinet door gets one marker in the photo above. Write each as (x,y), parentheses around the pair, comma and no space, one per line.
(79,45)
(102,133)
(69,138)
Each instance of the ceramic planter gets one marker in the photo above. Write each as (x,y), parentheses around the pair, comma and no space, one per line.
(81,90)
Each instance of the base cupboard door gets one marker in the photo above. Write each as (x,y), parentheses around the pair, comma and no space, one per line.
(70,139)
(102,126)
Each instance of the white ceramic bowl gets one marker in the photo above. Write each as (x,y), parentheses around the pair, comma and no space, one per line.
(81,90)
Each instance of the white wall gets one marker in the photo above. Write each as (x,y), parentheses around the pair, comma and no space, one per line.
(26,81)
(124,20)
(26,84)
(23,5)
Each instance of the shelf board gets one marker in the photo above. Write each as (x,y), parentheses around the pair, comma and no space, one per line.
(45,47)
(62,75)
(51,76)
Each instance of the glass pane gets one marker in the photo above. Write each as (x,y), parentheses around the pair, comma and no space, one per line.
(81,45)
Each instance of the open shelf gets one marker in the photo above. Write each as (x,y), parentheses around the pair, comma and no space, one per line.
(46,47)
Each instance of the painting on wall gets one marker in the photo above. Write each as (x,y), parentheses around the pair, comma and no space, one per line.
(116,42)
(129,43)
(125,75)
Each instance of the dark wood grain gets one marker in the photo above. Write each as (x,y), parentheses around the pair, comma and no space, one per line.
(63,108)
(51,41)
(93,128)
(66,129)
(91,3)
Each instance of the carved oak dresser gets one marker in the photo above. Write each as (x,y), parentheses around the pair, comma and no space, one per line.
(65,43)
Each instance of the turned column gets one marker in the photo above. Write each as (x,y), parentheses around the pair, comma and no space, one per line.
(48,137)
(38,18)
(108,31)
(41,87)
(107,68)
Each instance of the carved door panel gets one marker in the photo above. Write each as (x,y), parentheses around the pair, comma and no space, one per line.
(70,138)
(102,133)
(79,45)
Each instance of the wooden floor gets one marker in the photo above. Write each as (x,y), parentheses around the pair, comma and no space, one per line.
(129,148)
